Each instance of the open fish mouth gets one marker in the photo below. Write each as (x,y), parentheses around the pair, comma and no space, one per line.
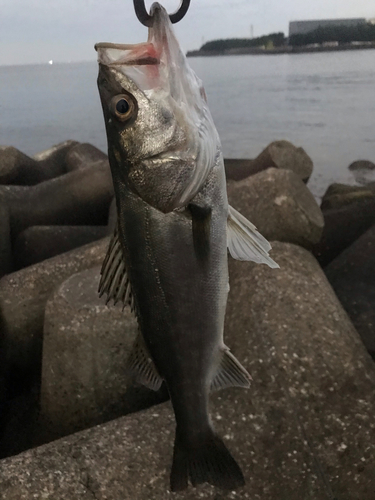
(119,54)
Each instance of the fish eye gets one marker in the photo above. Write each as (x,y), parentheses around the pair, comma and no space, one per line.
(123,107)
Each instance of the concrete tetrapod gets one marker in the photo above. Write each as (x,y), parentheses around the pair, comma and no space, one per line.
(53,160)
(5,241)
(81,197)
(19,169)
(342,226)
(82,155)
(38,243)
(280,205)
(304,430)
(278,154)
(23,296)
(85,348)
(352,276)
(339,195)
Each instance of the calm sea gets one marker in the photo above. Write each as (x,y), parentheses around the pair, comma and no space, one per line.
(322,102)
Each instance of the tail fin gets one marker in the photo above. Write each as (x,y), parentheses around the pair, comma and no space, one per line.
(209,462)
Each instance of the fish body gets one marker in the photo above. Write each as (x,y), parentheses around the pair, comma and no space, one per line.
(168,257)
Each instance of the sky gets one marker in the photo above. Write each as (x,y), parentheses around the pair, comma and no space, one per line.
(35,31)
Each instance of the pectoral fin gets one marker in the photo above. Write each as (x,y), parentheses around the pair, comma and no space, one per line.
(142,367)
(230,373)
(114,279)
(245,242)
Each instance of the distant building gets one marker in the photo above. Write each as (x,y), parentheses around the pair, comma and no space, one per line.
(303,27)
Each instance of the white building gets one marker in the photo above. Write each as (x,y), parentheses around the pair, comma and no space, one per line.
(303,27)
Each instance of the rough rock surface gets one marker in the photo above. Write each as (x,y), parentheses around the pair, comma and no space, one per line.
(339,195)
(81,197)
(342,226)
(280,205)
(53,160)
(85,348)
(83,155)
(5,241)
(18,168)
(278,154)
(304,430)
(352,276)
(338,188)
(39,243)
(23,296)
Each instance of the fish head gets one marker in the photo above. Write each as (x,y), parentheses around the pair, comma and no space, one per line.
(161,138)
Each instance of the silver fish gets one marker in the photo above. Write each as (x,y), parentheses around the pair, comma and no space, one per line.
(168,256)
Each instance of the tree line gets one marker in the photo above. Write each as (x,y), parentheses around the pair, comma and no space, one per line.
(343,34)
(276,39)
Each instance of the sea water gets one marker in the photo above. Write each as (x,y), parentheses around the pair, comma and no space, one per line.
(324,102)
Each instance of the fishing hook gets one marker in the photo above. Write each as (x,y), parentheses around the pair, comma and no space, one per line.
(145,18)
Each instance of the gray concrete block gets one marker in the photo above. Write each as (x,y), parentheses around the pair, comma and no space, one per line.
(81,197)
(307,359)
(129,458)
(85,348)
(304,430)
(352,276)
(342,226)
(278,154)
(83,155)
(6,261)
(18,168)
(52,161)
(280,205)
(23,296)
(38,243)
(340,195)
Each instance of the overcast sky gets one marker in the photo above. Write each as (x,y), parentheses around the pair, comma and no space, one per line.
(33,31)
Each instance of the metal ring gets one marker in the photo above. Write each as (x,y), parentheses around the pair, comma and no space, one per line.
(145,18)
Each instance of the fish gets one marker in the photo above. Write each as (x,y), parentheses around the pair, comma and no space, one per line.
(168,257)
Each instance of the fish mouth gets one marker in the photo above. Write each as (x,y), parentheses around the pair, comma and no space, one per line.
(120,54)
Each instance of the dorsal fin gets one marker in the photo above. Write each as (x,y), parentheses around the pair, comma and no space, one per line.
(245,242)
(114,279)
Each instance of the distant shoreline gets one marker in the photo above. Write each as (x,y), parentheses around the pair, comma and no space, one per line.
(278,50)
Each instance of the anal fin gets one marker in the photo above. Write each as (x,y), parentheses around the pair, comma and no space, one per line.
(230,373)
(245,242)
(141,366)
